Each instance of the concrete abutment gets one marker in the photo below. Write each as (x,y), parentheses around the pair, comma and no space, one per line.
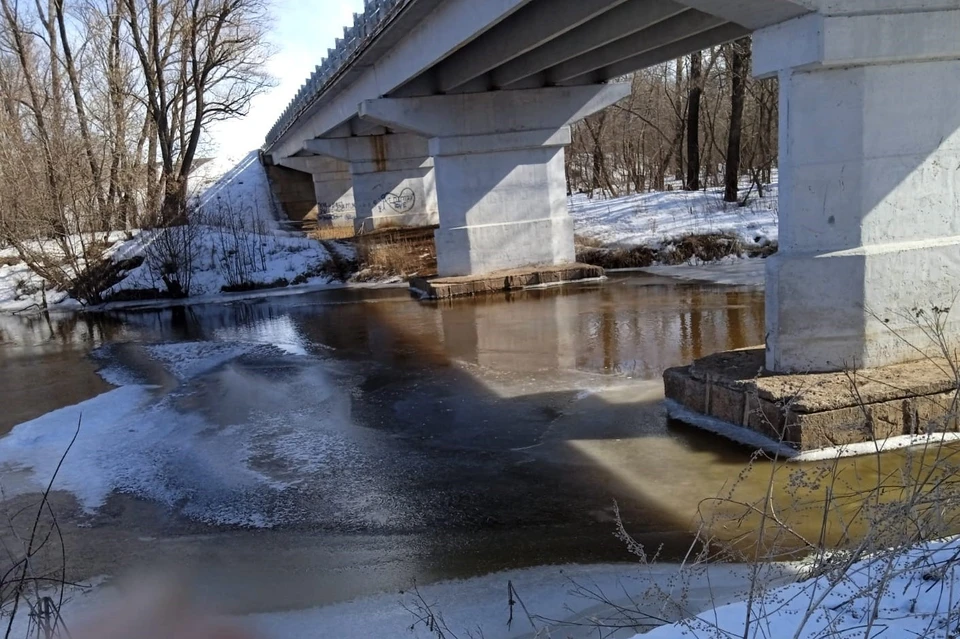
(392,177)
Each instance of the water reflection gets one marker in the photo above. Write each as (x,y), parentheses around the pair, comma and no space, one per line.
(504,426)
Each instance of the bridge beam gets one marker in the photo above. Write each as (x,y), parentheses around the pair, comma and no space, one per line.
(617,23)
(869,185)
(499,157)
(392,176)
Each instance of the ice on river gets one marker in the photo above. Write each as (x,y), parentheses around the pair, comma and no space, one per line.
(237,466)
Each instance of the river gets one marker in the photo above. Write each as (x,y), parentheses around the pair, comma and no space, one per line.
(304,450)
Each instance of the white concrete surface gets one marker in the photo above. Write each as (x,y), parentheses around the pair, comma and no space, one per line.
(332,185)
(392,175)
(869,186)
(335,200)
(499,159)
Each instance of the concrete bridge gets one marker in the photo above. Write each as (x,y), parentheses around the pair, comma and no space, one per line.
(456,112)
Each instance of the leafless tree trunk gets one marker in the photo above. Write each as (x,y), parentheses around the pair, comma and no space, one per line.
(693,123)
(201,61)
(739,68)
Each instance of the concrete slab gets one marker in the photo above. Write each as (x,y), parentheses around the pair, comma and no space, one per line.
(818,410)
(447,287)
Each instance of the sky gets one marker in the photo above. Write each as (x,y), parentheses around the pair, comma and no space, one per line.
(302,32)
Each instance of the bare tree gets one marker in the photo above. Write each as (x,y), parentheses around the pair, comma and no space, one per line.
(693,122)
(739,69)
(201,61)
(103,106)
(637,143)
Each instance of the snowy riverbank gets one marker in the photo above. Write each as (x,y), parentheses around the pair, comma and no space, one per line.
(649,219)
(237,243)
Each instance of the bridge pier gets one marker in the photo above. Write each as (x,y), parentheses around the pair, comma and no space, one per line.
(500,177)
(333,187)
(869,239)
(869,184)
(392,177)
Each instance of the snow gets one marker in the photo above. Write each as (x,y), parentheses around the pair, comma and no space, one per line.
(556,596)
(187,360)
(135,440)
(650,218)
(271,256)
(236,237)
(909,594)
(242,183)
(732,271)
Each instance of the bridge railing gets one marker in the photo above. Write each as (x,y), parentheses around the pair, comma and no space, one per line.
(355,38)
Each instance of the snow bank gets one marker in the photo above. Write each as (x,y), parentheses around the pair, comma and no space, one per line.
(650,218)
(239,219)
(275,255)
(912,594)
(556,597)
(240,182)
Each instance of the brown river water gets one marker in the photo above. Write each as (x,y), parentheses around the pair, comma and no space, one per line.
(375,440)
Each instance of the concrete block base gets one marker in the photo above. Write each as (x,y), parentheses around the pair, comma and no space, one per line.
(798,414)
(447,287)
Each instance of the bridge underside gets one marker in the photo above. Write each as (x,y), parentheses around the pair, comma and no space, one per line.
(457,113)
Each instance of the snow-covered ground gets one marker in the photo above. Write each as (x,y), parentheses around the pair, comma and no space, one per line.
(236,240)
(908,594)
(648,219)
(904,595)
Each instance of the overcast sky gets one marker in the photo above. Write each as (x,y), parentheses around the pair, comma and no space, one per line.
(302,32)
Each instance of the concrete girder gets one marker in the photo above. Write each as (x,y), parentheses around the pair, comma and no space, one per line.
(851,7)
(754,14)
(665,33)
(370,149)
(492,112)
(437,36)
(525,30)
(313,164)
(613,25)
(713,37)
(841,40)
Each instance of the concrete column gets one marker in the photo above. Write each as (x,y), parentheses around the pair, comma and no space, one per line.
(499,158)
(332,187)
(392,176)
(869,182)
(334,191)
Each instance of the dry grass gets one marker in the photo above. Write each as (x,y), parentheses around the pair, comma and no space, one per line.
(694,247)
(11,260)
(636,257)
(708,247)
(331,233)
(397,252)
(587,242)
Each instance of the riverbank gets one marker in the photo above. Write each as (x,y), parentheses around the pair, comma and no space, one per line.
(235,244)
